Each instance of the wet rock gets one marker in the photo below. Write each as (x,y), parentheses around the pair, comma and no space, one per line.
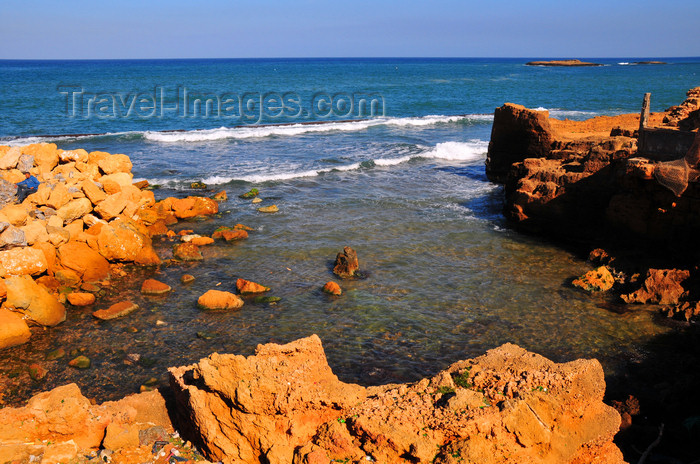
(53,355)
(187,278)
(81,362)
(37,372)
(346,263)
(221,196)
(190,207)
(80,299)
(216,299)
(662,286)
(120,309)
(88,263)
(34,301)
(686,310)
(206,335)
(268,209)
(233,235)
(13,329)
(247,287)
(332,288)
(597,280)
(252,193)
(202,241)
(264,299)
(154,287)
(198,185)
(257,200)
(187,252)
(67,278)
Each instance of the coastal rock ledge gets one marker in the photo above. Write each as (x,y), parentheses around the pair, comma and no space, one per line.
(285,405)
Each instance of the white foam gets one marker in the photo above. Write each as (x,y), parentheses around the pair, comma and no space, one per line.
(623,63)
(458,151)
(560,113)
(222,133)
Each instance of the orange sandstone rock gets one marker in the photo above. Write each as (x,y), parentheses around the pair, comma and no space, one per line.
(187,252)
(13,329)
(154,287)
(597,280)
(80,298)
(216,299)
(120,309)
(233,235)
(202,241)
(247,287)
(332,288)
(34,301)
(88,263)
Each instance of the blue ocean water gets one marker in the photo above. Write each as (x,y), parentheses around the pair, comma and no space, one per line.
(385,155)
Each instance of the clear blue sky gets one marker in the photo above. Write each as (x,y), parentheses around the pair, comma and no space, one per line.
(42,29)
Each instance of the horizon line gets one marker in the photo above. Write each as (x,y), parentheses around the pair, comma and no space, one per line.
(535,57)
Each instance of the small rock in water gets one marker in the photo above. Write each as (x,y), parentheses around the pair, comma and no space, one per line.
(187,252)
(92,288)
(133,357)
(268,209)
(80,299)
(246,287)
(221,196)
(332,288)
(204,335)
(216,299)
(58,353)
(116,310)
(257,200)
(233,235)
(202,241)
(597,280)
(36,372)
(262,299)
(252,193)
(187,278)
(346,263)
(242,227)
(154,287)
(198,185)
(81,362)
(161,323)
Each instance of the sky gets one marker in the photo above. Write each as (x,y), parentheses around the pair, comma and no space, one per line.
(75,29)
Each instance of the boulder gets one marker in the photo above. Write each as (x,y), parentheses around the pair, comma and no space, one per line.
(22,261)
(284,404)
(332,288)
(25,163)
(233,235)
(247,287)
(187,252)
(89,264)
(216,299)
(34,301)
(13,329)
(94,193)
(517,133)
(120,309)
(123,240)
(115,163)
(80,298)
(15,214)
(45,155)
(597,280)
(35,232)
(113,183)
(661,286)
(75,209)
(111,206)
(154,287)
(8,191)
(10,158)
(346,264)
(78,156)
(12,237)
(190,207)
(59,196)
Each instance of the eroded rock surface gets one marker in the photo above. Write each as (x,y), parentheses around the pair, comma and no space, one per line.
(285,405)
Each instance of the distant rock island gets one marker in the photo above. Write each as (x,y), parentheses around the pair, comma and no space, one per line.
(650,62)
(561,63)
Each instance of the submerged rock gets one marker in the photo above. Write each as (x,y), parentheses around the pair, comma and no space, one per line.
(187,278)
(120,309)
(346,263)
(285,405)
(81,362)
(252,193)
(80,298)
(268,209)
(187,252)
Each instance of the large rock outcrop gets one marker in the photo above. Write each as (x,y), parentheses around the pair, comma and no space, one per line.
(284,405)
(517,133)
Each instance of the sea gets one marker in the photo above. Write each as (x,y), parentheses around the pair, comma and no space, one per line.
(384,155)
